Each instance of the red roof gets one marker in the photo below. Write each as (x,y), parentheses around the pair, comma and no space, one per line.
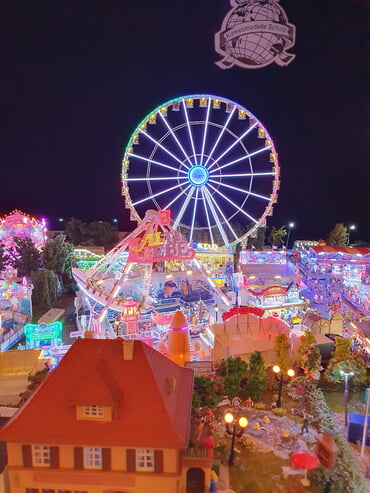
(347,250)
(152,395)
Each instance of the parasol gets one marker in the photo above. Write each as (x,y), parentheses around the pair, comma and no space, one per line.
(304,459)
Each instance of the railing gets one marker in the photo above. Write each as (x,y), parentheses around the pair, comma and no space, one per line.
(195,453)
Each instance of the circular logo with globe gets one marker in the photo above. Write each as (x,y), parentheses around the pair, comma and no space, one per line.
(254,34)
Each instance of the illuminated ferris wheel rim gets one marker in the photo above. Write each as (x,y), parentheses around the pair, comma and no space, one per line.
(196,169)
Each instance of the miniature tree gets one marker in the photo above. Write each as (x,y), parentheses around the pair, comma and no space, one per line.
(276,235)
(4,258)
(282,347)
(338,236)
(76,231)
(310,362)
(58,257)
(45,290)
(205,393)
(344,360)
(24,256)
(236,370)
(257,380)
(305,342)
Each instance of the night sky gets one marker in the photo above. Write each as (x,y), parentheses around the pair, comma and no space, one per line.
(77,77)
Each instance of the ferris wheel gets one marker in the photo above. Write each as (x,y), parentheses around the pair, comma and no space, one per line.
(207,159)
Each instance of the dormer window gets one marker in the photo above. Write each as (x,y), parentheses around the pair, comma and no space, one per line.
(93,411)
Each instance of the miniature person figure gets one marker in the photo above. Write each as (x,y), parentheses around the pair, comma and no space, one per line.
(305,422)
(169,290)
(235,402)
(249,403)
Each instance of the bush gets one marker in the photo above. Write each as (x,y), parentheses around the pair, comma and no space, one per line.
(279,412)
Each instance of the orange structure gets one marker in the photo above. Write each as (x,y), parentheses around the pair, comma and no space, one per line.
(179,339)
(114,416)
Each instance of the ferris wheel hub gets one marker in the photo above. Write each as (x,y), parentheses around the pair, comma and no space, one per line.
(198,175)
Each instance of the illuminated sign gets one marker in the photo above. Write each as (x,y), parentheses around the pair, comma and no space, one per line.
(153,247)
(254,34)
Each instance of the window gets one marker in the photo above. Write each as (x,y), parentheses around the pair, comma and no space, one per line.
(93,458)
(32,490)
(48,491)
(144,459)
(41,455)
(64,491)
(94,411)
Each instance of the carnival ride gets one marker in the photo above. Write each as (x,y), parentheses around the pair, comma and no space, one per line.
(20,225)
(155,268)
(210,161)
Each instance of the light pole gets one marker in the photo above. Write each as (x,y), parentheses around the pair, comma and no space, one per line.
(347,374)
(278,371)
(216,312)
(364,431)
(290,226)
(61,220)
(351,227)
(238,426)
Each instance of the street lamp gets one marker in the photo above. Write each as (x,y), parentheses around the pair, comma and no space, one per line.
(238,426)
(278,371)
(216,311)
(347,374)
(290,226)
(115,222)
(61,220)
(352,227)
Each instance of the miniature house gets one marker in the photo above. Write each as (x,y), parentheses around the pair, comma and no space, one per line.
(114,416)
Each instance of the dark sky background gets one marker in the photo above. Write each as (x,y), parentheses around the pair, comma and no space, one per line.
(78,76)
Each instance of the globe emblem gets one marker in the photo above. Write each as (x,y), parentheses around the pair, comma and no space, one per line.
(254,34)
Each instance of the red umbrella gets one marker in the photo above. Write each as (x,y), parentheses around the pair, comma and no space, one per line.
(304,459)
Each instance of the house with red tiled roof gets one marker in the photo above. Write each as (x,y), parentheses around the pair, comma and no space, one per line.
(113,417)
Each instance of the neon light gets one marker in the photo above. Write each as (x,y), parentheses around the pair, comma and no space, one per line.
(156,195)
(188,125)
(247,192)
(233,145)
(176,139)
(205,132)
(182,210)
(236,206)
(243,157)
(152,161)
(220,135)
(162,147)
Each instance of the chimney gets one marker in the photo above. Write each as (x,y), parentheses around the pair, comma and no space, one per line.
(128,349)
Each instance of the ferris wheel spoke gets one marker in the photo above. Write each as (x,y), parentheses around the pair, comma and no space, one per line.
(183,208)
(215,216)
(167,206)
(176,139)
(220,135)
(205,131)
(158,163)
(239,209)
(161,178)
(194,212)
(233,145)
(207,216)
(188,125)
(247,156)
(237,175)
(247,192)
(156,142)
(156,195)
(223,216)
